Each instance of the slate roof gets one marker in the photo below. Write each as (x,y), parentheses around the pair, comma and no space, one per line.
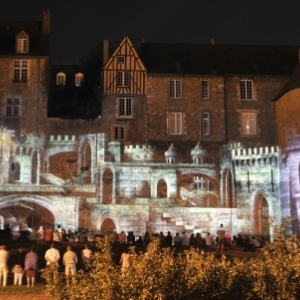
(39,44)
(211,59)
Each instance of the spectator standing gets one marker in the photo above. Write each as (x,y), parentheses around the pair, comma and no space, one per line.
(168,240)
(122,237)
(161,239)
(70,260)
(52,255)
(3,265)
(177,240)
(198,241)
(184,240)
(18,261)
(48,235)
(31,266)
(86,254)
(221,235)
(192,241)
(208,241)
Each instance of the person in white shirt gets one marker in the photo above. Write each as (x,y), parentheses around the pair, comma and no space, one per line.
(4,255)
(70,260)
(52,255)
(86,254)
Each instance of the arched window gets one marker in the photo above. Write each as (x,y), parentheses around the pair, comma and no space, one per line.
(60,78)
(78,79)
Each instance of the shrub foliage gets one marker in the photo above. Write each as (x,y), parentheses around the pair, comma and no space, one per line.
(162,274)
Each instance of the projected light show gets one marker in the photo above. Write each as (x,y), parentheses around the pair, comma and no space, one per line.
(165,137)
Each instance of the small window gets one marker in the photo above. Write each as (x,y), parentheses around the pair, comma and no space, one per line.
(204,89)
(20,70)
(205,123)
(78,79)
(175,89)
(61,78)
(118,133)
(22,45)
(123,79)
(124,108)
(248,123)
(13,107)
(121,59)
(246,89)
(174,123)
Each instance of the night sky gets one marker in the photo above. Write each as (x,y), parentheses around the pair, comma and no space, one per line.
(78,25)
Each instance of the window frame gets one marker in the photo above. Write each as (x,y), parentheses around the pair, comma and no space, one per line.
(205,123)
(246,90)
(248,123)
(79,79)
(123,79)
(175,123)
(61,79)
(205,89)
(121,59)
(20,73)
(124,106)
(118,132)
(13,107)
(175,89)
(22,45)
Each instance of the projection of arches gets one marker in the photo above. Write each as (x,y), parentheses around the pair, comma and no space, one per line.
(35,210)
(227,189)
(162,189)
(261,215)
(107,186)
(108,222)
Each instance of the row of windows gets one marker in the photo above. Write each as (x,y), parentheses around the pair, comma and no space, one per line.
(175,124)
(61,79)
(246,89)
(175,87)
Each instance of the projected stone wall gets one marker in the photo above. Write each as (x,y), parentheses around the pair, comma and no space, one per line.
(82,187)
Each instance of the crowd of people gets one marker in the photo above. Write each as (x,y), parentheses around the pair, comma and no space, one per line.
(26,263)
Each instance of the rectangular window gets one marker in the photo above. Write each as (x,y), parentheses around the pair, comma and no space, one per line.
(20,70)
(125,108)
(119,133)
(246,89)
(13,107)
(174,123)
(204,89)
(121,59)
(22,45)
(123,79)
(248,123)
(175,89)
(205,123)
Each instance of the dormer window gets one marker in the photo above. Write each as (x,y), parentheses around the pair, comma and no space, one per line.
(61,78)
(22,46)
(22,42)
(78,79)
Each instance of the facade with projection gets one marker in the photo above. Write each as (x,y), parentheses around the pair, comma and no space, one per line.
(189,136)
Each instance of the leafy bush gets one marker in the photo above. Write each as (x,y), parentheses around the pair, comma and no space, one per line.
(162,274)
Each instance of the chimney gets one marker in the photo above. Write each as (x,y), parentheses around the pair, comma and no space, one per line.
(46,23)
(105,51)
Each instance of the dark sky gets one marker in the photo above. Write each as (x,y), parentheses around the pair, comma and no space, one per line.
(79,24)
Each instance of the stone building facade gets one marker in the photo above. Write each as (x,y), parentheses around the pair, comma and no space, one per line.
(187,139)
